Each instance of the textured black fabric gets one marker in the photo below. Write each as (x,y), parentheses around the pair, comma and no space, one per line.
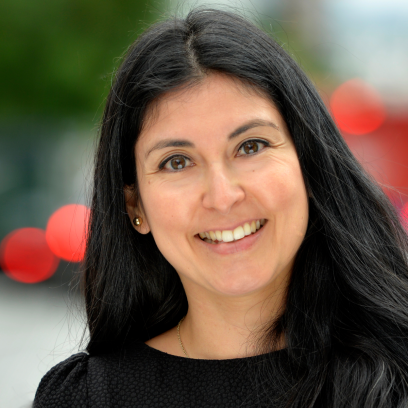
(145,377)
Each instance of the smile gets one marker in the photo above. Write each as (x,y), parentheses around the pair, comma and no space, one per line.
(215,237)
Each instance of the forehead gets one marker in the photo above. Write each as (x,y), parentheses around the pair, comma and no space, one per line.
(217,103)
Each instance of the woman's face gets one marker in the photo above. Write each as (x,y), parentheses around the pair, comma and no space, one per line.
(217,159)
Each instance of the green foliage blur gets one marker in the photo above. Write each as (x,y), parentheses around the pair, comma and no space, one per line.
(57,57)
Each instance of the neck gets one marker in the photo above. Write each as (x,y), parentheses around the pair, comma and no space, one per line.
(224,327)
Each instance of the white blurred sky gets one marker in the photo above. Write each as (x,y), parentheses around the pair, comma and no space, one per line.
(370,40)
(373,5)
(360,38)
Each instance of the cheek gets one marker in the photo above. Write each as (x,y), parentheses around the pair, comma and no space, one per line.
(168,210)
(285,197)
(283,187)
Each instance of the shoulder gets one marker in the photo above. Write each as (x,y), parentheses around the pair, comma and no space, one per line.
(84,380)
(65,384)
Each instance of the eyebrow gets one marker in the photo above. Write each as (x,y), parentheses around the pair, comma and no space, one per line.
(162,144)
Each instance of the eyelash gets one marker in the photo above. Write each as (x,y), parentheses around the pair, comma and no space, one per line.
(164,162)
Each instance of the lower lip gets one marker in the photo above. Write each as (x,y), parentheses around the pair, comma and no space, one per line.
(226,248)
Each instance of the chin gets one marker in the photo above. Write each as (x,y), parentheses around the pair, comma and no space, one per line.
(239,285)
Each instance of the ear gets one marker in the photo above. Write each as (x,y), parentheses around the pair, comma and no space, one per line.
(134,209)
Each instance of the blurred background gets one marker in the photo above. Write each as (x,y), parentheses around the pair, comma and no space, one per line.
(56,65)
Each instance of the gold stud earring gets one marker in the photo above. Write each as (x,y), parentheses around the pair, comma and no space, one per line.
(137,221)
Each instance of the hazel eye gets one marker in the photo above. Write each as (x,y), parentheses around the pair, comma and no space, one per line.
(175,163)
(251,147)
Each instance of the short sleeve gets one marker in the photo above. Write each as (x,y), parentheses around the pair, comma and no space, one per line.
(65,385)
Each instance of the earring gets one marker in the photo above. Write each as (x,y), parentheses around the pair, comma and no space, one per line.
(137,221)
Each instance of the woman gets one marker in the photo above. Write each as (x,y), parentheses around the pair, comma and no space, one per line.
(238,255)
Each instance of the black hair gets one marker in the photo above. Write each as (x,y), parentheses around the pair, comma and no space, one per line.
(346,315)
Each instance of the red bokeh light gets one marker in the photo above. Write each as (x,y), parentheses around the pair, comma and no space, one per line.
(384,152)
(357,107)
(26,257)
(404,216)
(66,232)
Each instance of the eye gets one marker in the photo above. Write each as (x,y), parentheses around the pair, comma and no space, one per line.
(252,146)
(175,163)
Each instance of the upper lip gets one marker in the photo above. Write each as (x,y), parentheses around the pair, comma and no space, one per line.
(231,228)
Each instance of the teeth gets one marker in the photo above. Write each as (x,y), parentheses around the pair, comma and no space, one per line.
(209,241)
(229,236)
(247,229)
(238,233)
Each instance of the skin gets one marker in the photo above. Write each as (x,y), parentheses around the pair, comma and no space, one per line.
(237,288)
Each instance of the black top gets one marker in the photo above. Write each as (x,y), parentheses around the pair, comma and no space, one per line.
(146,377)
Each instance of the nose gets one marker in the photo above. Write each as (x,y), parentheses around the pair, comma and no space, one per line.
(222,189)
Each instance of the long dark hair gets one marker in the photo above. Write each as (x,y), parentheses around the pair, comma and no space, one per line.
(346,316)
